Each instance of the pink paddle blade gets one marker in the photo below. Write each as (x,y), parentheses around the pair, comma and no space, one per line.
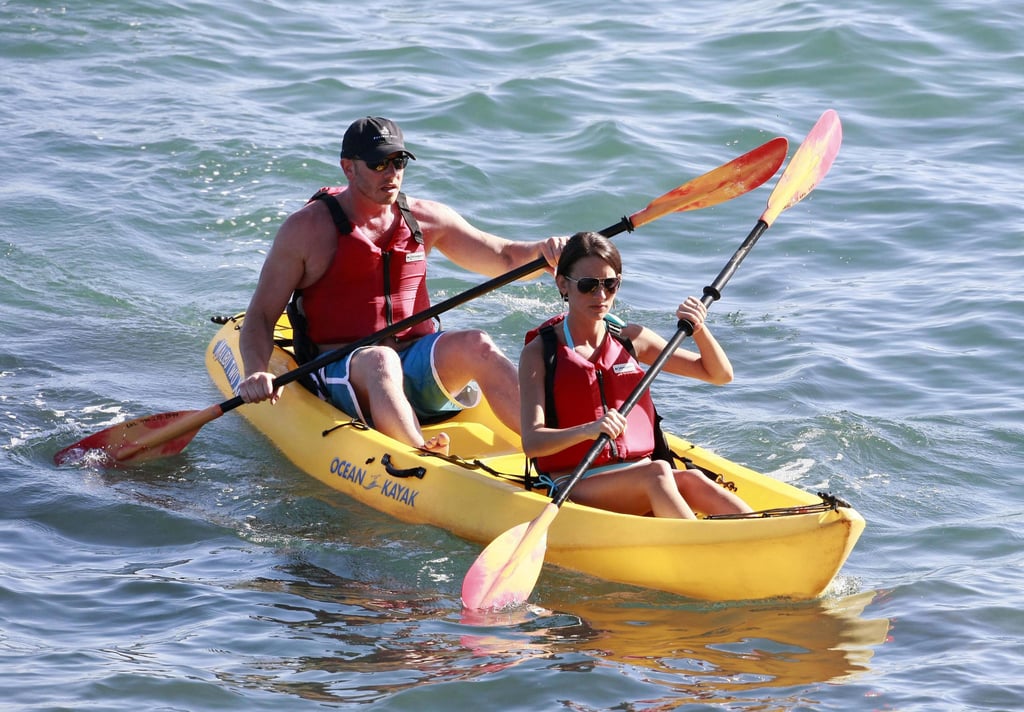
(809,164)
(507,570)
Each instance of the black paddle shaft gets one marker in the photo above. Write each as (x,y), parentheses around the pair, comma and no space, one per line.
(624,225)
(684,328)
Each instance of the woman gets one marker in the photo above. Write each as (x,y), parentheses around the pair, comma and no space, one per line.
(563,415)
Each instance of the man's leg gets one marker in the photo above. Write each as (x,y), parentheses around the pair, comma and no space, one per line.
(376,377)
(471,355)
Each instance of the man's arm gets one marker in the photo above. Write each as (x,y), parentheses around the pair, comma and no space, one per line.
(476,250)
(283,271)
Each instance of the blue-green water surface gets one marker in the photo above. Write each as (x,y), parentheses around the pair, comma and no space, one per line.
(150,150)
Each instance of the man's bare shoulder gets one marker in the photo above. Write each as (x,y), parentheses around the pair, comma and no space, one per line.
(306,241)
(431,212)
(442,226)
(424,205)
(311,222)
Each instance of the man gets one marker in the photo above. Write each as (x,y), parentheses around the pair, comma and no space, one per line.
(352,261)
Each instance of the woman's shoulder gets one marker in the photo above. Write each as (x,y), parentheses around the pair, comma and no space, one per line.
(533,333)
(630,331)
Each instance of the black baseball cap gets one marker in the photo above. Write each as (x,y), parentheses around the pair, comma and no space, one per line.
(373,139)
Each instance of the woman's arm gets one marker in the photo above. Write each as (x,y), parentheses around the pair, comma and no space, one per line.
(709,363)
(538,439)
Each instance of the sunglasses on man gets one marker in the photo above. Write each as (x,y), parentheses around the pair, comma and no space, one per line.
(399,162)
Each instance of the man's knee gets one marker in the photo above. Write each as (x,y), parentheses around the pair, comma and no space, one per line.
(375,362)
(472,344)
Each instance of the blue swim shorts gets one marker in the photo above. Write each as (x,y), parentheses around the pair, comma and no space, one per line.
(430,400)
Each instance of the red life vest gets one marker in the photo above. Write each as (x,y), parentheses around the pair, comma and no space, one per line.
(365,288)
(585,390)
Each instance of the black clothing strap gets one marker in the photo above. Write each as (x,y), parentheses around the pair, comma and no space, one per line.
(410,219)
(341,221)
(547,335)
(344,225)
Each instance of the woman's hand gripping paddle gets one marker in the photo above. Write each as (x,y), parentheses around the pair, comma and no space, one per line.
(506,571)
(167,434)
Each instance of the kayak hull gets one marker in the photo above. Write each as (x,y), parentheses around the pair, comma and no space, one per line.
(794,556)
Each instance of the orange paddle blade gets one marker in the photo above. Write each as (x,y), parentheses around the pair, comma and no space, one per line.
(726,182)
(809,165)
(506,571)
(138,440)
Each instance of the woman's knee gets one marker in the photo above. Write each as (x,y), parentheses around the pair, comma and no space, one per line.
(660,474)
(690,478)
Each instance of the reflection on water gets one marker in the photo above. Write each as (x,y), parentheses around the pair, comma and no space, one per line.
(355,638)
(714,652)
(377,643)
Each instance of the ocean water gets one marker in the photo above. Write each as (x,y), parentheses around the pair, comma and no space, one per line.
(150,150)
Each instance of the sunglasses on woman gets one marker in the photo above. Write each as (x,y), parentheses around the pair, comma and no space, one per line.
(587,285)
(399,162)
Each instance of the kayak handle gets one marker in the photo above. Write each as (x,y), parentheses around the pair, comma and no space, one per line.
(417,472)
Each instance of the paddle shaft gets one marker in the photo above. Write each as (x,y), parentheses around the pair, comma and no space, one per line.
(684,328)
(726,182)
(506,571)
(142,437)
(499,577)
(624,225)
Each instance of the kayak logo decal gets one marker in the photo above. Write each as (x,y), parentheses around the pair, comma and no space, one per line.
(399,493)
(360,476)
(226,359)
(347,471)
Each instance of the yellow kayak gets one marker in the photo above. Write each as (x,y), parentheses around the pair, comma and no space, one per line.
(792,549)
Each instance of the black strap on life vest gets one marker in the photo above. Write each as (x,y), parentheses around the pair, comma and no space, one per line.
(410,219)
(341,221)
(344,225)
(547,335)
